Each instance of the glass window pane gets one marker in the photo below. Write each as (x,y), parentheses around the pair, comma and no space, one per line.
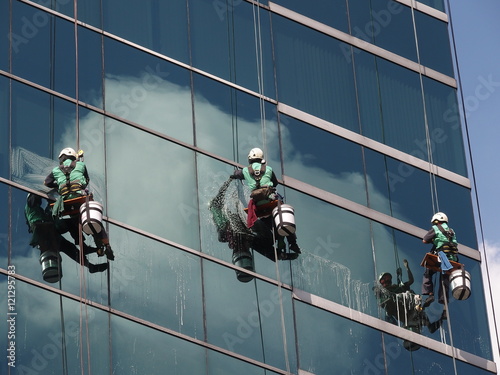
(312,68)
(445,130)
(318,158)
(4,227)
(4,127)
(387,24)
(230,123)
(148,90)
(434,43)
(337,256)
(90,67)
(332,13)
(165,188)
(173,296)
(61,6)
(52,67)
(142,350)
(232,41)
(160,26)
(50,122)
(437,4)
(253,326)
(4,30)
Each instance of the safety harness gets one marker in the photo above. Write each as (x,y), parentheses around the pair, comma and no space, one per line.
(450,246)
(257,174)
(70,186)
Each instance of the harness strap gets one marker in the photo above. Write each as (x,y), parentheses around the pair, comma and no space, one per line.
(257,175)
(67,169)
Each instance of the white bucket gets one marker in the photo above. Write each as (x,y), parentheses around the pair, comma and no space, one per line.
(460,284)
(284,219)
(91,218)
(50,261)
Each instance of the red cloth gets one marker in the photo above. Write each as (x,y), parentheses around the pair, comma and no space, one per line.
(251,213)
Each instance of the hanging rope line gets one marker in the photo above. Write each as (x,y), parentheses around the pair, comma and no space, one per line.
(232,76)
(260,70)
(260,81)
(432,176)
(63,329)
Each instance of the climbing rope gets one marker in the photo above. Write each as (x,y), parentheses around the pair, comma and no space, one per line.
(432,176)
(260,81)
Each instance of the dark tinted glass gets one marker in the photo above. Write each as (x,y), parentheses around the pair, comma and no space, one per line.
(312,68)
(44,51)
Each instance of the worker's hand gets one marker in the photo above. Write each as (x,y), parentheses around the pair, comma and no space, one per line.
(399,271)
(405,262)
(232,177)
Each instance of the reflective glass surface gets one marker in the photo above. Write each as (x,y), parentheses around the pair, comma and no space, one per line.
(318,158)
(387,24)
(54,338)
(160,26)
(61,6)
(332,13)
(147,90)
(155,282)
(437,4)
(90,84)
(164,179)
(232,40)
(143,350)
(434,43)
(230,123)
(4,30)
(43,50)
(4,227)
(312,68)
(337,256)
(252,327)
(4,127)
(445,132)
(50,123)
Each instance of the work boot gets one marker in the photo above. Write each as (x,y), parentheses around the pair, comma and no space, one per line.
(428,301)
(295,248)
(109,253)
(93,268)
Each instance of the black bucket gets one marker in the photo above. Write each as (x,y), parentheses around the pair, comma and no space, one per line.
(243,259)
(51,271)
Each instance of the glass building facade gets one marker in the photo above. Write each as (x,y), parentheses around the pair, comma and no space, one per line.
(355,104)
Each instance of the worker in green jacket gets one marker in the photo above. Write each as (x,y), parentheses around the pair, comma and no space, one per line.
(47,235)
(71,179)
(444,241)
(262,182)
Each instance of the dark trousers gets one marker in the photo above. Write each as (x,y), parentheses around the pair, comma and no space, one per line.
(428,285)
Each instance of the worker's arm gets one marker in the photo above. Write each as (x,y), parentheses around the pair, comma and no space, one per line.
(429,236)
(410,274)
(238,174)
(274,180)
(50,181)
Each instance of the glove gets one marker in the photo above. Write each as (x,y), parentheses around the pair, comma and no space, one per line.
(232,177)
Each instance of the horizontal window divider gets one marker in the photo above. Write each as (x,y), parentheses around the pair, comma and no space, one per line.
(369,213)
(392,329)
(361,44)
(373,145)
(421,7)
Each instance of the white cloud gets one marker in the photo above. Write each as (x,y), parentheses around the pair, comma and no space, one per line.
(493,273)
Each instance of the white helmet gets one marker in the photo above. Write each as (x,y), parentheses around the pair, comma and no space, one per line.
(68,151)
(256,153)
(439,217)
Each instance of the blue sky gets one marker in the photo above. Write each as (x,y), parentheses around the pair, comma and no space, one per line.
(477,37)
